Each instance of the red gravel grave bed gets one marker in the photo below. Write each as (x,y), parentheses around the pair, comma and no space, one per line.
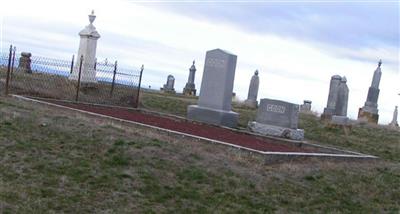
(197,129)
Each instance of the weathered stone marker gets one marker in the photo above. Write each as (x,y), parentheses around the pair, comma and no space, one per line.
(306,106)
(214,105)
(87,49)
(369,112)
(169,86)
(251,100)
(332,97)
(24,64)
(394,122)
(342,98)
(190,88)
(277,118)
(336,109)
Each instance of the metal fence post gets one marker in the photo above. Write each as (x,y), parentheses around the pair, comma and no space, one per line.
(13,59)
(113,81)
(8,70)
(138,90)
(72,64)
(79,79)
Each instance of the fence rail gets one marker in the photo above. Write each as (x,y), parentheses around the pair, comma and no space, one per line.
(70,80)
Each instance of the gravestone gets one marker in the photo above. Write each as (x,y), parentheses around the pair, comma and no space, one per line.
(342,98)
(369,112)
(394,122)
(306,106)
(24,64)
(337,99)
(169,86)
(340,115)
(190,88)
(215,100)
(251,100)
(87,49)
(277,118)
(332,98)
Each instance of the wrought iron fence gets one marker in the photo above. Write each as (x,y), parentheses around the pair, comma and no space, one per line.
(71,80)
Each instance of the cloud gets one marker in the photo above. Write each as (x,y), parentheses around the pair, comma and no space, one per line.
(357,24)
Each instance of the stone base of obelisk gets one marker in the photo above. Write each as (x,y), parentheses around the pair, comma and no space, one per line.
(168,90)
(366,116)
(327,115)
(189,92)
(251,103)
(213,116)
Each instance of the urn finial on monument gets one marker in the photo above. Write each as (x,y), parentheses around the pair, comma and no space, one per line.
(92,17)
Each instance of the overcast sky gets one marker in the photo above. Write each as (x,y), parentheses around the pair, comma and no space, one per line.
(296,45)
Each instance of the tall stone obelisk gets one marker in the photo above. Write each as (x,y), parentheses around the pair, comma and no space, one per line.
(190,88)
(87,49)
(369,112)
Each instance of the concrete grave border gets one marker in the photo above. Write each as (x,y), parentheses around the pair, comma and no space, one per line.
(344,153)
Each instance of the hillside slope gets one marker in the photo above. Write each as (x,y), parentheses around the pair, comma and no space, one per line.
(54,161)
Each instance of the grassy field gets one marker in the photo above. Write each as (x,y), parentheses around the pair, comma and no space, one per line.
(52,161)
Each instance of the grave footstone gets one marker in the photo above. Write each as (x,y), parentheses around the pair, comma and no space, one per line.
(215,100)
(87,49)
(369,112)
(190,88)
(277,118)
(251,100)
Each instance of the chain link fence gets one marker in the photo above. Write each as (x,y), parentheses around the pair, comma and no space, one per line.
(69,80)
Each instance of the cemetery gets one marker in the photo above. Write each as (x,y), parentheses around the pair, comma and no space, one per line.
(94,139)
